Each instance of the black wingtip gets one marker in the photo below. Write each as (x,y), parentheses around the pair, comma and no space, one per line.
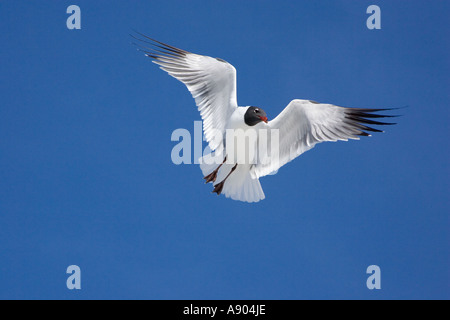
(157,48)
(363,119)
(157,43)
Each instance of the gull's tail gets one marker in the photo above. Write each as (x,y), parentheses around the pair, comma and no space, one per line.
(238,186)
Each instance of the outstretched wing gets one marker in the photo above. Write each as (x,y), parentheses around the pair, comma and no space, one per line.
(304,123)
(211,81)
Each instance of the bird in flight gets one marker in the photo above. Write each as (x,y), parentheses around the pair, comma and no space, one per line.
(236,170)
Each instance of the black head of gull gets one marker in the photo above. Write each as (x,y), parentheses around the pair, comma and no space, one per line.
(254,115)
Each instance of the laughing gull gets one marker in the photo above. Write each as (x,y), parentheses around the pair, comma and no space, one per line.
(297,129)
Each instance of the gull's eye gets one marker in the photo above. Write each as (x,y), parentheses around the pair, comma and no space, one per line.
(256,110)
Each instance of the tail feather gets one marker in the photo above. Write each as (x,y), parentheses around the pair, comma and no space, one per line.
(243,188)
(240,185)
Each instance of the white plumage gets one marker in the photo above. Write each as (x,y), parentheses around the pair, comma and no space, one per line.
(298,128)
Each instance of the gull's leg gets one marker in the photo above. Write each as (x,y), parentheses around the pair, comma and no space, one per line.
(218,187)
(213,175)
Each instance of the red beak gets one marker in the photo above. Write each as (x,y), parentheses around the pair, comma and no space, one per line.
(263,119)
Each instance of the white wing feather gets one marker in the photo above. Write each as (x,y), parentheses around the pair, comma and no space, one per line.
(304,123)
(211,81)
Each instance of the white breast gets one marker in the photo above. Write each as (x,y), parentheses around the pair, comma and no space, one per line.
(241,140)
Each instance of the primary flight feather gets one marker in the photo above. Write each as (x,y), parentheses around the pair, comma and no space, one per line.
(298,128)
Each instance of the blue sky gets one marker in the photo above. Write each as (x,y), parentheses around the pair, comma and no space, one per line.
(86,176)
